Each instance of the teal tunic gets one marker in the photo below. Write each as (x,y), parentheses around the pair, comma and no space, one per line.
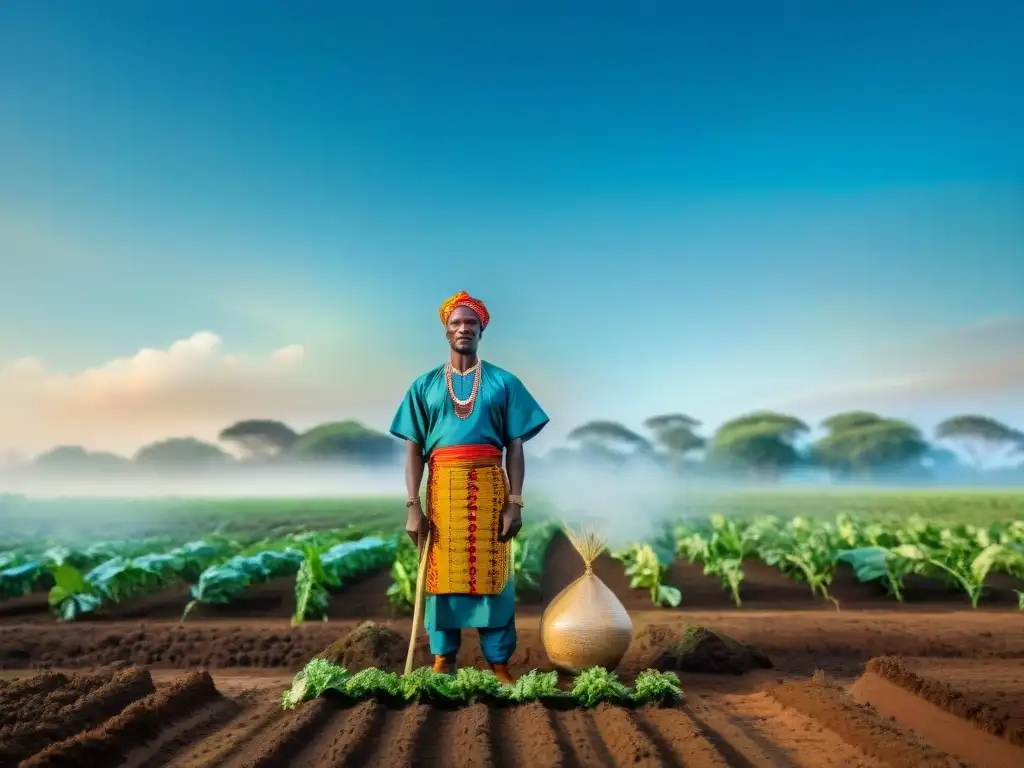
(504,411)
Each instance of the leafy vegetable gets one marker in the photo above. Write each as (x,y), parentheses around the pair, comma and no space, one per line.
(535,686)
(71,595)
(654,687)
(597,684)
(373,682)
(646,568)
(401,593)
(426,684)
(879,564)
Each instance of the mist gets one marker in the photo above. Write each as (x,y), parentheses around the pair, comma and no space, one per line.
(626,500)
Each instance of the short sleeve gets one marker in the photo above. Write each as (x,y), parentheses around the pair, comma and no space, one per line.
(524,418)
(410,422)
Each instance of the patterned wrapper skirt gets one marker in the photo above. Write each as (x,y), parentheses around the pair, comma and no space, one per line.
(466,492)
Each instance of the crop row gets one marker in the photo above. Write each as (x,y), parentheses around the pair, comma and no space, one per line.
(590,687)
(808,550)
(805,549)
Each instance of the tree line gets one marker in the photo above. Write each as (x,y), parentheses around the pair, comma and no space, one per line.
(764,445)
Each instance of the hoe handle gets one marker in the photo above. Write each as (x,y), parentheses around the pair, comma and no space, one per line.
(421,589)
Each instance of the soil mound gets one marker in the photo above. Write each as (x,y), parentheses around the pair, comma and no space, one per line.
(703,650)
(368,645)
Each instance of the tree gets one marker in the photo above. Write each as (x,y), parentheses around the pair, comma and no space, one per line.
(761,442)
(860,445)
(349,440)
(76,458)
(850,420)
(982,438)
(609,436)
(180,451)
(675,433)
(260,438)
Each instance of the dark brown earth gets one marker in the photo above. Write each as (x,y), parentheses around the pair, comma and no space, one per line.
(931,684)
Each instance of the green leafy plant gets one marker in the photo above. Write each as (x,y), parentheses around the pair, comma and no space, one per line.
(535,686)
(426,684)
(71,595)
(401,592)
(373,682)
(473,683)
(313,680)
(968,569)
(654,687)
(721,548)
(311,583)
(877,563)
(803,550)
(597,684)
(646,568)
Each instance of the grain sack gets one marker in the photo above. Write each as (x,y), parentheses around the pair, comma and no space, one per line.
(586,625)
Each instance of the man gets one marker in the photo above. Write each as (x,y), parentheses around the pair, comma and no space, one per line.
(457,419)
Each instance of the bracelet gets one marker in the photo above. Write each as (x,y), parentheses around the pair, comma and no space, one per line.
(412,502)
(517,500)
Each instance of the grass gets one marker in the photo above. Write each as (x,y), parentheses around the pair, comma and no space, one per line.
(71,520)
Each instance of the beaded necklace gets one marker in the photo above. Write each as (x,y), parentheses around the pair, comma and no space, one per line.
(463,408)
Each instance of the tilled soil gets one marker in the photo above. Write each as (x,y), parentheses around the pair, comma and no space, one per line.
(801,639)
(195,721)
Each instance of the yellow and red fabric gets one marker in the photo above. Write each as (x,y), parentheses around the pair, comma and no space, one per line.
(466,492)
(463,299)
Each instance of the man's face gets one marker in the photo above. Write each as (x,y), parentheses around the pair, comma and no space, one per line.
(463,331)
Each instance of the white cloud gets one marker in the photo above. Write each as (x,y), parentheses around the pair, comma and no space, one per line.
(192,387)
(195,387)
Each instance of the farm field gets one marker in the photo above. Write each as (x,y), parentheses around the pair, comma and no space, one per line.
(858,675)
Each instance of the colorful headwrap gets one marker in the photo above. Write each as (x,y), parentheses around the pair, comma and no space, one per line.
(463,299)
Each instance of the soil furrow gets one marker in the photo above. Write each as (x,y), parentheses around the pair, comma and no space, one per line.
(960,737)
(856,724)
(576,730)
(346,738)
(398,743)
(626,742)
(525,736)
(785,737)
(25,700)
(218,747)
(985,717)
(276,745)
(180,735)
(741,748)
(461,739)
(138,723)
(678,737)
(23,740)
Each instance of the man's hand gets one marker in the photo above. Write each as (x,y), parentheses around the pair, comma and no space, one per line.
(416,525)
(511,522)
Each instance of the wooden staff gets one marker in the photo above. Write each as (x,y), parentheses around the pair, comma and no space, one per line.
(421,590)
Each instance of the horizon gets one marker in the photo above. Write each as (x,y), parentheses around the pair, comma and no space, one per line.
(207,217)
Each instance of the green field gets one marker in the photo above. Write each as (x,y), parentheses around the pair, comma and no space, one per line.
(92,553)
(72,520)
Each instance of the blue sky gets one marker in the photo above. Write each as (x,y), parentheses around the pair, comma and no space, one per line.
(666,207)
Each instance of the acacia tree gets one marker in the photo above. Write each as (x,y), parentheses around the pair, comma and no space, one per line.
(349,440)
(862,443)
(982,438)
(759,442)
(179,451)
(260,438)
(608,440)
(675,433)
